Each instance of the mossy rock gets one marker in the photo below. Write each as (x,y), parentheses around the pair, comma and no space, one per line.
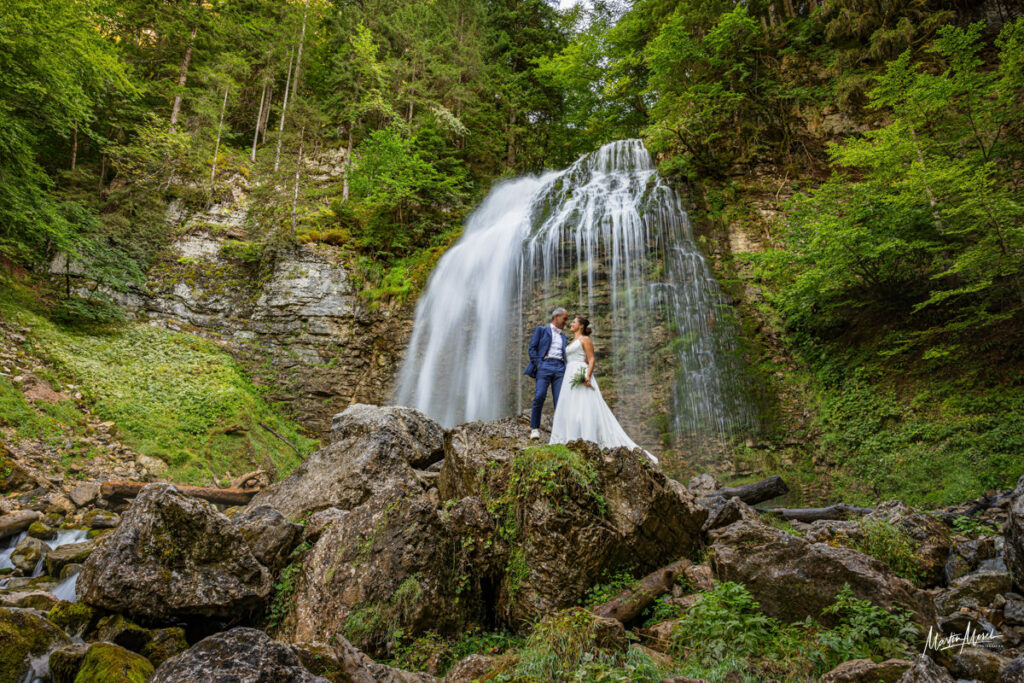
(93,534)
(73,617)
(66,661)
(109,663)
(122,631)
(41,531)
(165,643)
(24,635)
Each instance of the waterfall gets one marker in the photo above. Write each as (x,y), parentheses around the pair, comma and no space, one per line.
(606,238)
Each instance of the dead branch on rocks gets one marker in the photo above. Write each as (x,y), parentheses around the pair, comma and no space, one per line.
(228,496)
(838,511)
(754,493)
(630,603)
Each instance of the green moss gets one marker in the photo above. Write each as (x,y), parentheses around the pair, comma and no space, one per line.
(173,396)
(41,531)
(24,635)
(107,663)
(73,617)
(165,643)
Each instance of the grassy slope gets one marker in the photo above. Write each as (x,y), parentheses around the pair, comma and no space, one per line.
(173,396)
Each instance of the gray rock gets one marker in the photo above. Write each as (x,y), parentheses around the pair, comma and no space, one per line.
(1013,673)
(565,539)
(866,671)
(28,553)
(793,578)
(925,670)
(975,663)
(977,589)
(372,448)
(241,655)
(270,536)
(174,555)
(72,553)
(1013,532)
(389,563)
(470,669)
(85,493)
(15,522)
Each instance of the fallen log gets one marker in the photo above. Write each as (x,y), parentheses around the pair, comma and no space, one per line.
(838,511)
(627,605)
(754,493)
(228,496)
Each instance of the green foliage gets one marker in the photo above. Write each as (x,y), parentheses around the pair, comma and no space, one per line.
(865,631)
(890,544)
(284,588)
(611,585)
(969,526)
(433,649)
(172,396)
(564,647)
(726,630)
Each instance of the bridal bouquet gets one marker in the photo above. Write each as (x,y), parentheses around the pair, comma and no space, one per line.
(579,378)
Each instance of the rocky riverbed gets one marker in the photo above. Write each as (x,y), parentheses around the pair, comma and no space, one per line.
(400,532)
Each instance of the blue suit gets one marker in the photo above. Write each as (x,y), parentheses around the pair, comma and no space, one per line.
(547,371)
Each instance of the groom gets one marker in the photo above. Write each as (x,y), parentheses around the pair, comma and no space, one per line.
(547,364)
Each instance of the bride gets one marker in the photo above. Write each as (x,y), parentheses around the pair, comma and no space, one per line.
(581,412)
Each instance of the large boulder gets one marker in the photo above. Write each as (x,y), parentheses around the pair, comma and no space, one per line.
(113,664)
(244,655)
(270,536)
(386,565)
(928,536)
(567,514)
(174,555)
(925,670)
(23,638)
(371,448)
(1013,530)
(793,578)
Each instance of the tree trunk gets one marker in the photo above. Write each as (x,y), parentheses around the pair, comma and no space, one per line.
(284,110)
(74,147)
(298,58)
(838,511)
(511,157)
(216,146)
(348,164)
(295,194)
(630,603)
(229,496)
(182,77)
(259,119)
(755,493)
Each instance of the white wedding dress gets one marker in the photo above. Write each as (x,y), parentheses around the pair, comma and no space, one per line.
(581,412)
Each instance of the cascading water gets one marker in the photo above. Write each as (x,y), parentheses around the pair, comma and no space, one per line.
(605,238)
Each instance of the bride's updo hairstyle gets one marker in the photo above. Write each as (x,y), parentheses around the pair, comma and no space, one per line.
(585,323)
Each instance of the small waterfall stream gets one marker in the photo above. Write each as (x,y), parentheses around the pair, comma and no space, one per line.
(606,238)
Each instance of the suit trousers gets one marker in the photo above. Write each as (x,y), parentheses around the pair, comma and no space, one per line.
(549,374)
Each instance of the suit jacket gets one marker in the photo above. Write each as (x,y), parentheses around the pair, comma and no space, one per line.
(540,342)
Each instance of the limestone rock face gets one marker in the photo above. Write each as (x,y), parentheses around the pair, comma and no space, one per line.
(241,654)
(174,555)
(1013,549)
(387,564)
(372,448)
(977,589)
(793,578)
(566,514)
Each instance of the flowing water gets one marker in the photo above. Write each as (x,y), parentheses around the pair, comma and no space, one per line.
(606,238)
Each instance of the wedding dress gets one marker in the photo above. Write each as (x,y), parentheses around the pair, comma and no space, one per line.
(582,413)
